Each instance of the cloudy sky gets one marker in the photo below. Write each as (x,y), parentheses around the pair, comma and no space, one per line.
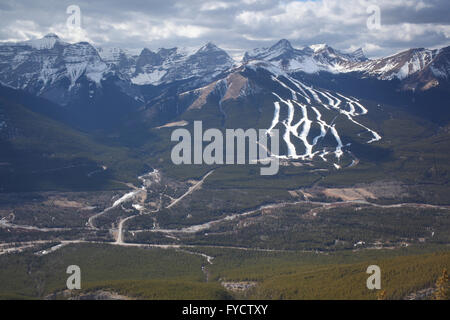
(235,25)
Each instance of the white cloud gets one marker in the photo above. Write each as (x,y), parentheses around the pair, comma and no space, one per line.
(21,30)
(215,5)
(235,24)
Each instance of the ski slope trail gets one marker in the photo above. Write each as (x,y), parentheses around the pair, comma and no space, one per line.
(317,111)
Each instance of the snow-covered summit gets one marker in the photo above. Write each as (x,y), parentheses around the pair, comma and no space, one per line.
(38,65)
(310,59)
(209,47)
(47,42)
(321,57)
(318,47)
(168,65)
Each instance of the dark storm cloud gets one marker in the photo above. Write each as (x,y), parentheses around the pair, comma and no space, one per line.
(234,24)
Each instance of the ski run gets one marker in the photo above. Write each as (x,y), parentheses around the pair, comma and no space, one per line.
(309,103)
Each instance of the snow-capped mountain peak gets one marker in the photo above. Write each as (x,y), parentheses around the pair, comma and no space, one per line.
(168,65)
(400,66)
(208,47)
(40,65)
(359,54)
(318,47)
(283,44)
(322,57)
(310,59)
(281,54)
(113,55)
(51,35)
(47,42)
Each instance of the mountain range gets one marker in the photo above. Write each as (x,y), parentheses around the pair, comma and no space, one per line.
(57,70)
(333,109)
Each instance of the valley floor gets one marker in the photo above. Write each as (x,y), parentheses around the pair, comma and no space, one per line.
(264,252)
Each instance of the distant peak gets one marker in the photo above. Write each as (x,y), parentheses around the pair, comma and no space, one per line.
(209,46)
(51,36)
(166,51)
(47,42)
(318,47)
(146,51)
(359,54)
(282,44)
